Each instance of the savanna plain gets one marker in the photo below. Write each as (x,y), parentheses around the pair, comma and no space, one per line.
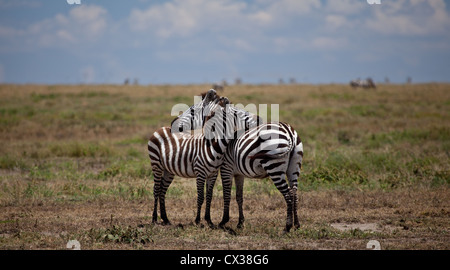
(74,166)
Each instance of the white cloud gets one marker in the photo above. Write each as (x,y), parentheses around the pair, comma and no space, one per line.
(414,17)
(329,43)
(289,7)
(184,18)
(345,6)
(284,45)
(10,4)
(10,32)
(261,17)
(164,20)
(188,17)
(84,24)
(234,26)
(334,22)
(90,18)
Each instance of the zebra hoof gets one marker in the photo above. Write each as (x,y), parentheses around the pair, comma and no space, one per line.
(227,229)
(197,221)
(166,223)
(199,224)
(287,229)
(155,219)
(223,226)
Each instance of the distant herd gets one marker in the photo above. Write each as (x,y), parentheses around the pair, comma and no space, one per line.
(358,83)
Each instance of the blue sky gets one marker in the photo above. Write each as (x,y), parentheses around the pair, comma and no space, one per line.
(206,41)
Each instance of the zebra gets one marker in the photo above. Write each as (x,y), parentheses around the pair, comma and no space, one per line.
(191,156)
(367,83)
(264,150)
(164,146)
(218,87)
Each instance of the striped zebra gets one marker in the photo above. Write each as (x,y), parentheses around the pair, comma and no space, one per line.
(368,83)
(191,156)
(266,150)
(166,149)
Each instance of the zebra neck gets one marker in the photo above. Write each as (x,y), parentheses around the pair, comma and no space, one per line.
(218,145)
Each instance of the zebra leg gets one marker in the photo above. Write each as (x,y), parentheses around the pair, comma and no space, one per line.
(209,194)
(157,175)
(167,180)
(280,182)
(289,203)
(226,184)
(239,180)
(293,173)
(200,197)
(294,197)
(293,190)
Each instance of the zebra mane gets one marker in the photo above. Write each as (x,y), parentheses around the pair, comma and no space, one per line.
(211,95)
(198,114)
(236,120)
(194,117)
(245,119)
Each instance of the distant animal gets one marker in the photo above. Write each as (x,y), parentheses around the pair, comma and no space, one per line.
(367,83)
(218,87)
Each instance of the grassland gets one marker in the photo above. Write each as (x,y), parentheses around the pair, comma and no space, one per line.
(74,165)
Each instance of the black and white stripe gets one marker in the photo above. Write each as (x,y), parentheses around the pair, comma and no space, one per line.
(191,156)
(267,150)
(270,150)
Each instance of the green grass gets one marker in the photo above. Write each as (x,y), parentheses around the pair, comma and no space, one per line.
(87,141)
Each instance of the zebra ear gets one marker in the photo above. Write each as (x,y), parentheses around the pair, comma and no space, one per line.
(226,104)
(223,101)
(209,96)
(175,127)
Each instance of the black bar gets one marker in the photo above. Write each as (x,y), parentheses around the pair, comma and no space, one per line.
(298,259)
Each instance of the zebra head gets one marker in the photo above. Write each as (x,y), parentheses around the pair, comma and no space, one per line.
(194,117)
(218,125)
(234,121)
(241,120)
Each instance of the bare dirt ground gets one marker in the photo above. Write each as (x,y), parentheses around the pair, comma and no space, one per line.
(400,219)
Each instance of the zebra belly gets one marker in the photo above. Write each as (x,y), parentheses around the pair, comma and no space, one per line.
(181,173)
(180,167)
(175,156)
(250,170)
